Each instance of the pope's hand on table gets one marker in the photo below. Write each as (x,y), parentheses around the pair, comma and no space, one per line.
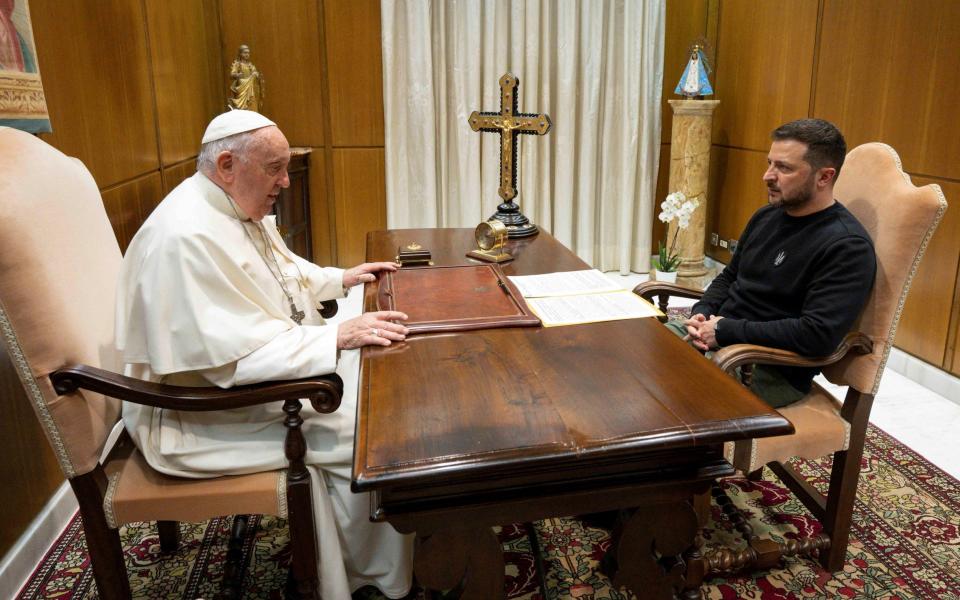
(366,272)
(372,329)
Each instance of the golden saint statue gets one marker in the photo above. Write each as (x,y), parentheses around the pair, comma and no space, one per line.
(247,82)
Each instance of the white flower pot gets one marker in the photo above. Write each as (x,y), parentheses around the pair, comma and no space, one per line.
(668,277)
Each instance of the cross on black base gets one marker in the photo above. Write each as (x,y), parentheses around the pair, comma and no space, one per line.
(509,123)
(518,225)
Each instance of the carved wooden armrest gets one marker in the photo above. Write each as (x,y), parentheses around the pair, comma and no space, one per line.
(324,392)
(737,355)
(663,290)
(328,308)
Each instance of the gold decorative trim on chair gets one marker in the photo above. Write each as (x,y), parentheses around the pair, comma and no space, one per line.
(111,492)
(729,448)
(36,396)
(282,493)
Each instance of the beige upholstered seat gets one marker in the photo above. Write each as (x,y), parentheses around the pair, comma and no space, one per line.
(900,219)
(138,493)
(59,263)
(821,428)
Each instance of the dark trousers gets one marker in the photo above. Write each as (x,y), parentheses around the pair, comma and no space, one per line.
(767,383)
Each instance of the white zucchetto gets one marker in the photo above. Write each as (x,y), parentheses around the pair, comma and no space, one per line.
(233,122)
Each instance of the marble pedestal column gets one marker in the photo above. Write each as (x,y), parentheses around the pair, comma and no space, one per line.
(689,171)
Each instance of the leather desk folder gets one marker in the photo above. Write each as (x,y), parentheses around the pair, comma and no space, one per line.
(454,298)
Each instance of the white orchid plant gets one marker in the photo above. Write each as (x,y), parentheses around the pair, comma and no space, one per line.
(675,206)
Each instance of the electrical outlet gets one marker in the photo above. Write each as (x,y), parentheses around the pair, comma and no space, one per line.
(733,246)
(714,239)
(723,243)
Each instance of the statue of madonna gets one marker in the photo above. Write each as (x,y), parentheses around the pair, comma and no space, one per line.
(247,82)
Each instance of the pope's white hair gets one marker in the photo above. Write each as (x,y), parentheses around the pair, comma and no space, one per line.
(238,145)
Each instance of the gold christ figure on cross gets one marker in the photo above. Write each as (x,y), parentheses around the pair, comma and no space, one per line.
(508,123)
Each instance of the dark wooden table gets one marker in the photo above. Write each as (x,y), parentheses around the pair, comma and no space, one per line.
(457,432)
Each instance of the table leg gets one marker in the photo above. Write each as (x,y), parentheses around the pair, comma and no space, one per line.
(467,559)
(649,549)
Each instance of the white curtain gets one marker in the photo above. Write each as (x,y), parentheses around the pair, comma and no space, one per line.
(595,67)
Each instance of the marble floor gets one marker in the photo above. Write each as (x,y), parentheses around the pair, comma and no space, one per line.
(919,417)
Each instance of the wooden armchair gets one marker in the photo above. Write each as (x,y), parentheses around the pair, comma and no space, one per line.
(59,263)
(900,218)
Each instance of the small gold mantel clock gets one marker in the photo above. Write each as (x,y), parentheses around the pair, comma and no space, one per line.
(491,236)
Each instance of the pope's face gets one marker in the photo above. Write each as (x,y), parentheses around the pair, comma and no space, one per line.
(791,180)
(261,174)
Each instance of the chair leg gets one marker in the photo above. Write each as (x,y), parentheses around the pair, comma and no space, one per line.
(234,569)
(103,542)
(169,532)
(843,492)
(843,480)
(303,533)
(537,557)
(302,538)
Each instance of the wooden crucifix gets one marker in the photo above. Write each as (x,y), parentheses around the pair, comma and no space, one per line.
(509,123)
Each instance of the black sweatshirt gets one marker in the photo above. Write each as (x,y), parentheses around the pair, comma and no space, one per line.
(794,283)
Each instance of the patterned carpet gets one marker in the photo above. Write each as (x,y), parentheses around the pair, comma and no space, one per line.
(905,544)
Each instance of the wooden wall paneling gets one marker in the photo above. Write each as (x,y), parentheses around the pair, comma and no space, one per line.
(925,323)
(354,71)
(764,68)
(736,192)
(360,192)
(187,72)
(323,234)
(326,158)
(124,203)
(686,22)
(28,468)
(284,40)
(95,66)
(175,174)
(888,71)
(124,215)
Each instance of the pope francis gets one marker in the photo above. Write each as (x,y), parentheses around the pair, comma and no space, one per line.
(210,295)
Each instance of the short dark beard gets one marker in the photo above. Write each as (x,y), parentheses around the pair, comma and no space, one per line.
(800,198)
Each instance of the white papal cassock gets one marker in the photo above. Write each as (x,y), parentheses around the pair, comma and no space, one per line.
(197,305)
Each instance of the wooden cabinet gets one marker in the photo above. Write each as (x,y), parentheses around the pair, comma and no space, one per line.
(293,207)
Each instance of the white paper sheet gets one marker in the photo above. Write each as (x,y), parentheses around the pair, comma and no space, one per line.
(564,283)
(591,308)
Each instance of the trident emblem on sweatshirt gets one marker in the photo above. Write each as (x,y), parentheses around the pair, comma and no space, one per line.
(779,258)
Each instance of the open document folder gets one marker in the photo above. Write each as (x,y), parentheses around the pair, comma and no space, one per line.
(575,297)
